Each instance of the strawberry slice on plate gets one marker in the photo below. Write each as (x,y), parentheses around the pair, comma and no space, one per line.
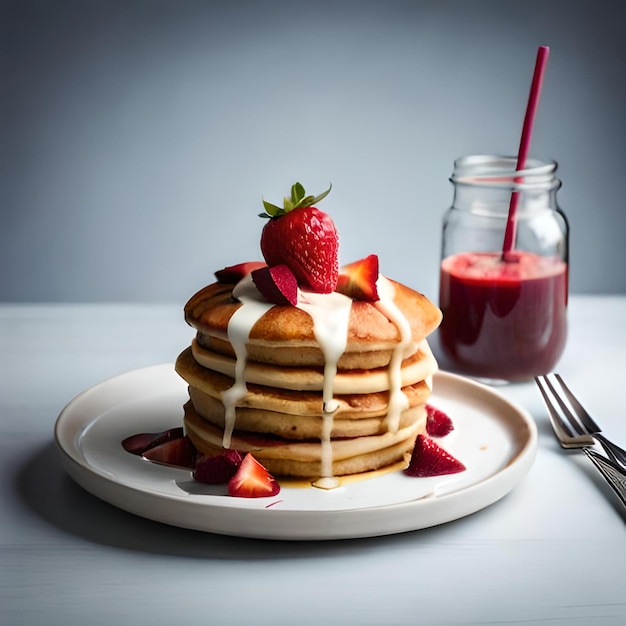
(218,469)
(438,424)
(174,453)
(430,459)
(252,480)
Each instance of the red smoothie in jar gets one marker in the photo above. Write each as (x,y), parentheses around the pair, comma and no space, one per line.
(503,320)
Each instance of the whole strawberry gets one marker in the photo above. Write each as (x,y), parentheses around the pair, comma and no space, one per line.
(304,239)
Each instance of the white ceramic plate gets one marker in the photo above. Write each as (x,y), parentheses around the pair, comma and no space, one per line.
(495,439)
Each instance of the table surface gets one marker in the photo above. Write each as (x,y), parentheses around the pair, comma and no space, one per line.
(552,551)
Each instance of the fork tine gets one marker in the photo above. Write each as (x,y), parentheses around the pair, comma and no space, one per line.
(561,429)
(581,412)
(571,420)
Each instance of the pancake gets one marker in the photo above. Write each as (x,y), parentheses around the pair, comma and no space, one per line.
(284,335)
(350,406)
(304,459)
(419,366)
(329,387)
(295,426)
(300,354)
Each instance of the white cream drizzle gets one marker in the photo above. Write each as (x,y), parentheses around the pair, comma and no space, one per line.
(239,326)
(330,314)
(398,402)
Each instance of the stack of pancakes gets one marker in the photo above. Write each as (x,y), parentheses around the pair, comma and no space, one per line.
(280,415)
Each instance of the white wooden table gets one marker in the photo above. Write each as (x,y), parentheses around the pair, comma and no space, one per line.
(553,551)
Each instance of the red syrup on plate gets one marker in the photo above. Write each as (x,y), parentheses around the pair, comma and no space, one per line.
(503,320)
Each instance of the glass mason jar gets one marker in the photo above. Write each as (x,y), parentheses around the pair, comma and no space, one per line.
(504,313)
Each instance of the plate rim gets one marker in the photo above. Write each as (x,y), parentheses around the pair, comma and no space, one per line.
(281,524)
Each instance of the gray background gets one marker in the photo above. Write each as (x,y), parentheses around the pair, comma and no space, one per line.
(137,138)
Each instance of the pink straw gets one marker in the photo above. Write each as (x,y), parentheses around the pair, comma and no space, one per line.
(524,147)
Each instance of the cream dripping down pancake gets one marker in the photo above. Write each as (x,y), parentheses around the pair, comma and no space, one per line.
(317,371)
(328,387)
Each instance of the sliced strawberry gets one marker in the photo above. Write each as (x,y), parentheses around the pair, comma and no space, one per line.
(142,442)
(438,424)
(303,238)
(234,273)
(175,453)
(358,280)
(217,469)
(252,480)
(430,459)
(277,284)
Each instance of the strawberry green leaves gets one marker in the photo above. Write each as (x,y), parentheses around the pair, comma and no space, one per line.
(296,200)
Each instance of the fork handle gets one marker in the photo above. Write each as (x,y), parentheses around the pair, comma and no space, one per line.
(614,475)
(617,454)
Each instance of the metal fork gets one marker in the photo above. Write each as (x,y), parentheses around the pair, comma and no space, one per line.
(570,437)
(581,422)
